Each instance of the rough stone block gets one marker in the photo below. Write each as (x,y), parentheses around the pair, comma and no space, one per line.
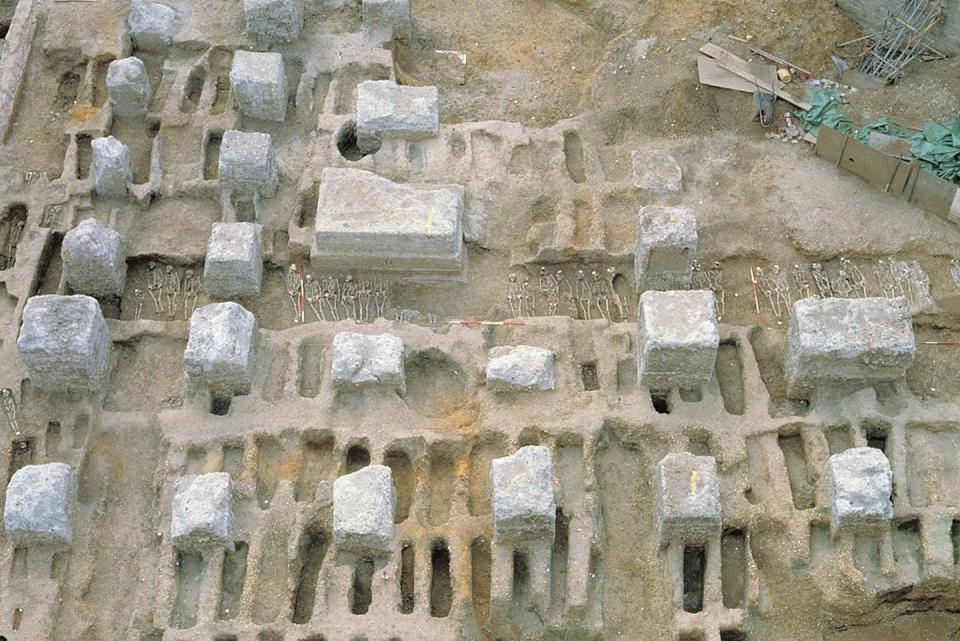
(273,20)
(248,164)
(367,222)
(666,247)
(385,20)
(128,87)
(151,25)
(860,483)
(523,505)
(39,505)
(201,515)
(111,167)
(656,171)
(93,259)
(65,343)
(365,360)
(363,504)
(687,491)
(388,111)
(520,368)
(234,265)
(859,341)
(259,85)
(677,340)
(220,348)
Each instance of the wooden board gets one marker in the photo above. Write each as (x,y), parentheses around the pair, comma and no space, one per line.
(713,75)
(742,68)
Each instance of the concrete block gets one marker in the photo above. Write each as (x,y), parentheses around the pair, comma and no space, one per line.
(65,343)
(524,508)
(128,87)
(93,259)
(273,20)
(39,505)
(201,515)
(520,368)
(859,341)
(259,85)
(248,164)
(220,348)
(385,20)
(860,483)
(367,222)
(363,504)
(365,360)
(233,265)
(687,491)
(388,111)
(677,339)
(656,171)
(151,25)
(666,247)
(111,167)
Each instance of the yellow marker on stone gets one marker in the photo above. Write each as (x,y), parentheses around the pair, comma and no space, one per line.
(693,482)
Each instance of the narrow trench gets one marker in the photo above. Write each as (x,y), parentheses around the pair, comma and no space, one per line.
(193,89)
(196,456)
(269,454)
(573,155)
(407,560)
(232,577)
(189,573)
(220,98)
(838,439)
(661,401)
(358,457)
(21,455)
(441,487)
(311,355)
(80,431)
(84,156)
(955,539)
(794,455)
(588,373)
(694,564)
(99,94)
(480,581)
(18,566)
(441,587)
(211,155)
(361,593)
(520,593)
(478,498)
(733,568)
(558,561)
(220,404)
(313,549)
(730,377)
(52,439)
(317,461)
(906,550)
(233,459)
(271,584)
(403,482)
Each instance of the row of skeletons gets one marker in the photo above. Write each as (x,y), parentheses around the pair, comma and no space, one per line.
(169,291)
(9,257)
(894,278)
(332,299)
(585,298)
(711,279)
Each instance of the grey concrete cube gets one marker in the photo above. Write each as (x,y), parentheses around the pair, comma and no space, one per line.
(666,247)
(273,20)
(860,483)
(388,111)
(65,343)
(677,339)
(201,516)
(128,87)
(111,167)
(363,504)
(687,496)
(233,265)
(656,171)
(524,508)
(93,259)
(259,85)
(858,341)
(384,20)
(248,164)
(369,222)
(39,505)
(520,368)
(151,25)
(220,348)
(367,360)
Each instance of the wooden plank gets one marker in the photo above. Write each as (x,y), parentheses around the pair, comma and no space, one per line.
(712,75)
(740,67)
